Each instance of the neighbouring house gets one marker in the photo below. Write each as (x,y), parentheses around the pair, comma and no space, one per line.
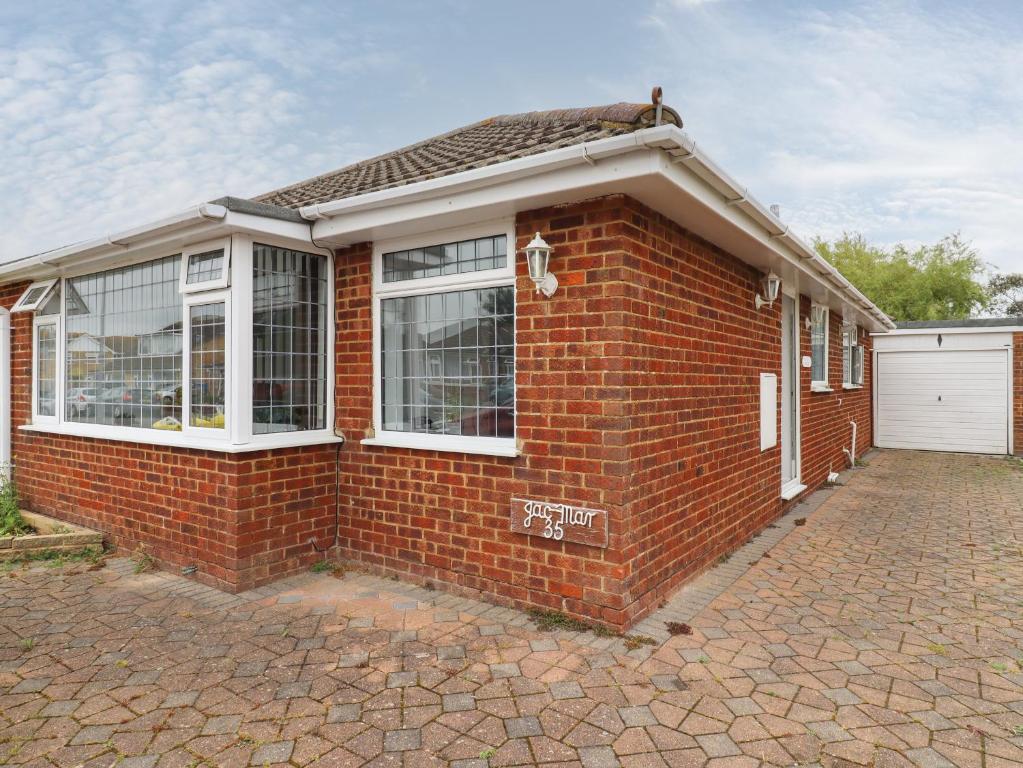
(362,362)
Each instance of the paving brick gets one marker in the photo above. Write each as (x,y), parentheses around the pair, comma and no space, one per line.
(278,752)
(598,757)
(402,740)
(458,702)
(521,727)
(503,670)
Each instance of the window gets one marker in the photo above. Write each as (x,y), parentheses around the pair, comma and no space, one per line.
(852,357)
(124,343)
(819,346)
(289,340)
(145,352)
(205,266)
(45,390)
(448,259)
(207,365)
(33,296)
(448,362)
(445,360)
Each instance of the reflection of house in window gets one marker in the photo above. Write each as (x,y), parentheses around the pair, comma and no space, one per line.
(166,341)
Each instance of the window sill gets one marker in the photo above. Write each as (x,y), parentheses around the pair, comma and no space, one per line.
(852,386)
(820,388)
(179,440)
(483,446)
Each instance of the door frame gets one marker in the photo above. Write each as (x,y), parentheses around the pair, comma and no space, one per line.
(794,486)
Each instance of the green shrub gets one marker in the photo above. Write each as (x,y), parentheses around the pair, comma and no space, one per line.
(11,521)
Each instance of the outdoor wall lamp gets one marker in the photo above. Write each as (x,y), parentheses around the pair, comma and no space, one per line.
(771,285)
(538,254)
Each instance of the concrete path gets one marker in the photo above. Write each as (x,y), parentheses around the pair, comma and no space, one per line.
(885,631)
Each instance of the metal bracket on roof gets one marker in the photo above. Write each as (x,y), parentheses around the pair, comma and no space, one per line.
(586,156)
(780,235)
(737,201)
(117,243)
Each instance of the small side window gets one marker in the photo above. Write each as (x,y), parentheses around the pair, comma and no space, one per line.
(34,296)
(206,266)
(852,357)
(819,345)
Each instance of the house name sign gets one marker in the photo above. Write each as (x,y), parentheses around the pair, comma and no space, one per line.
(559,522)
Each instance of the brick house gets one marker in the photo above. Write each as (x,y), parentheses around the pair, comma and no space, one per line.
(361,362)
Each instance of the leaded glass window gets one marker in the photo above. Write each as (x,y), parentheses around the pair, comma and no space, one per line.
(448,362)
(289,338)
(206,365)
(123,346)
(447,259)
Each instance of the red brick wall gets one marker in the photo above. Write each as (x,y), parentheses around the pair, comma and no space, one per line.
(699,483)
(637,393)
(243,519)
(826,416)
(445,516)
(1017,387)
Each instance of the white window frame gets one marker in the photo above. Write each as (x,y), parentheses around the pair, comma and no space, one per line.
(192,300)
(23,306)
(821,385)
(237,436)
(223,281)
(851,347)
(58,385)
(491,278)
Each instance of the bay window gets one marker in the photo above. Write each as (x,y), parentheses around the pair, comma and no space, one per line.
(445,344)
(223,345)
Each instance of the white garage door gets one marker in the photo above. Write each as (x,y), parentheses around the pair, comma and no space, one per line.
(951,400)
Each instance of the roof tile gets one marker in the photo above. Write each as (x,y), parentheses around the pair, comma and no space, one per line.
(495,140)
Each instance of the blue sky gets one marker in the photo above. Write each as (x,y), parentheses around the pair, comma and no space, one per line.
(900,120)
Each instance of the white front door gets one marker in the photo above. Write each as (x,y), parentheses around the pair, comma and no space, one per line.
(789,395)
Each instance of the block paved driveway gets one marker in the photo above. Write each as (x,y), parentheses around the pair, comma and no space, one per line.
(886,631)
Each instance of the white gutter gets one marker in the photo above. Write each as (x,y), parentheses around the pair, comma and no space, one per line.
(678,145)
(489,175)
(689,155)
(116,242)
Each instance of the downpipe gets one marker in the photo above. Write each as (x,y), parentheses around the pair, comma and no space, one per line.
(850,452)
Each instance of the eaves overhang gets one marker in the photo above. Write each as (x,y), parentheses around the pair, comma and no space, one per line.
(661,167)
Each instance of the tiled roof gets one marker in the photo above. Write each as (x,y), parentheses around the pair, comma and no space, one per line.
(487,142)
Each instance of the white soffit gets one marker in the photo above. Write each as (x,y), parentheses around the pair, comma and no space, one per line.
(657,166)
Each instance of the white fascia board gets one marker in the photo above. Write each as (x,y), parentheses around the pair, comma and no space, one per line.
(586,169)
(160,238)
(637,164)
(113,245)
(469,205)
(498,173)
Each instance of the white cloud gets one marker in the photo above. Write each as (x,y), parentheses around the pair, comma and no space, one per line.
(897,120)
(104,126)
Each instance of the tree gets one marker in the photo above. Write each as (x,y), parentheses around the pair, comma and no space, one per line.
(933,282)
(1005,294)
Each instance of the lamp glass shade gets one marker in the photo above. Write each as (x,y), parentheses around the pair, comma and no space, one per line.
(538,254)
(772,287)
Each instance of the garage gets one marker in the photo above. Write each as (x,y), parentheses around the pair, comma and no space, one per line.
(945,388)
